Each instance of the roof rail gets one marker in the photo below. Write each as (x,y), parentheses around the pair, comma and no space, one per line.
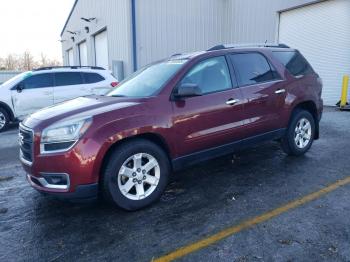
(71,67)
(227,46)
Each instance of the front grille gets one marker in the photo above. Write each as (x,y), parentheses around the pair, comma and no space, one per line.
(26,144)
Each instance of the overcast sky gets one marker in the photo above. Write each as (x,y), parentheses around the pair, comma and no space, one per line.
(33,25)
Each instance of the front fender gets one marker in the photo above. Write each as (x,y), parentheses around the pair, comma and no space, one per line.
(116,131)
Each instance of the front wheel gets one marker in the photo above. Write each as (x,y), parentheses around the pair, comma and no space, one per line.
(136,174)
(300,134)
(4,119)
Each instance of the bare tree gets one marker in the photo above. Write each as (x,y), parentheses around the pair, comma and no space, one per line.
(11,62)
(54,62)
(44,61)
(2,64)
(27,61)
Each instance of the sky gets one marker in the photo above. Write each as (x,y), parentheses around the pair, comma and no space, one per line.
(33,25)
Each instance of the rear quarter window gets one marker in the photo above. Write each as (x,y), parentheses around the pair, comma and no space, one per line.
(295,63)
(90,78)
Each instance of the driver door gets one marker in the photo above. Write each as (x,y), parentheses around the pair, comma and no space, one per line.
(32,93)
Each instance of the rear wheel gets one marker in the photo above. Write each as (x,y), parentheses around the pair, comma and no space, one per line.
(136,174)
(4,119)
(300,133)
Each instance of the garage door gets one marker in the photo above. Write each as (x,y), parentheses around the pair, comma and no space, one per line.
(101,49)
(322,33)
(83,54)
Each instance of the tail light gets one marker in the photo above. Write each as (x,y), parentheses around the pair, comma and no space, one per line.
(114,84)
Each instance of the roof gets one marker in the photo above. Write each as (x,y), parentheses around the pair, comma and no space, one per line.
(70,14)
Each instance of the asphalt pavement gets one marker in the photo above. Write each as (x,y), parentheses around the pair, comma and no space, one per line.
(200,202)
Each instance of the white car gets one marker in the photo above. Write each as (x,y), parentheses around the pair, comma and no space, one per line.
(30,91)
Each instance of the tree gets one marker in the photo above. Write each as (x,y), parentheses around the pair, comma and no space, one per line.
(45,62)
(2,64)
(11,62)
(27,61)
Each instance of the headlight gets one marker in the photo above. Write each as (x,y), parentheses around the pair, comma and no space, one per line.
(62,135)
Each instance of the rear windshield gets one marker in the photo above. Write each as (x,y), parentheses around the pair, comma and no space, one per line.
(148,80)
(295,63)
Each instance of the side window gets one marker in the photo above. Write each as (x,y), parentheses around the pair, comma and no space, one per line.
(253,68)
(91,78)
(210,75)
(37,81)
(295,63)
(68,78)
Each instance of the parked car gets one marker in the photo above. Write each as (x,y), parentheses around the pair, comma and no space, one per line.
(33,90)
(167,116)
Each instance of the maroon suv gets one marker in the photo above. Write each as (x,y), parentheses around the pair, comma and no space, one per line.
(169,115)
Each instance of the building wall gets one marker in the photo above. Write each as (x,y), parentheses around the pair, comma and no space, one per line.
(115,16)
(165,27)
(256,21)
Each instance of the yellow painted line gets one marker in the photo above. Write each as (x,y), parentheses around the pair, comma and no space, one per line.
(185,250)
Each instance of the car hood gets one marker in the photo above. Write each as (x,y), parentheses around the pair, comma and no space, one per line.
(81,107)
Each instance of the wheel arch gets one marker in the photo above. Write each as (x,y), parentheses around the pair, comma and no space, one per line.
(310,106)
(8,110)
(154,138)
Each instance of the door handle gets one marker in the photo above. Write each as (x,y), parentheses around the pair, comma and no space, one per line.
(280,91)
(232,101)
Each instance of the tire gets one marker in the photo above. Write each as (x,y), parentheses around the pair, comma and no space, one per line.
(122,180)
(4,119)
(300,133)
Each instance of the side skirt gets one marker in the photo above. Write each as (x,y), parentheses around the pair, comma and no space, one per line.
(195,158)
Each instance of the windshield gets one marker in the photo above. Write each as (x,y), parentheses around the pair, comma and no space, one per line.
(16,78)
(148,80)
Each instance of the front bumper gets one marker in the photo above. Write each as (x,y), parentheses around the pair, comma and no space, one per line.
(73,174)
(81,192)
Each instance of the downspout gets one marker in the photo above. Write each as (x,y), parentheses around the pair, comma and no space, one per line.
(133,28)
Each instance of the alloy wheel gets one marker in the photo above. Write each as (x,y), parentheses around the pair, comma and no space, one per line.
(303,132)
(139,176)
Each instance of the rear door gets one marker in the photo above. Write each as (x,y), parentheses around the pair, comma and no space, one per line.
(263,90)
(34,92)
(216,117)
(69,85)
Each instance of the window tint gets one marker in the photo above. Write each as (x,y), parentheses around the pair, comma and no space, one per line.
(211,75)
(68,78)
(294,62)
(92,78)
(38,81)
(253,68)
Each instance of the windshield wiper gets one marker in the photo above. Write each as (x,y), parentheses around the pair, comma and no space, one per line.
(118,96)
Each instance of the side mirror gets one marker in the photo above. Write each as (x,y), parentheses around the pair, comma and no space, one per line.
(188,90)
(19,87)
